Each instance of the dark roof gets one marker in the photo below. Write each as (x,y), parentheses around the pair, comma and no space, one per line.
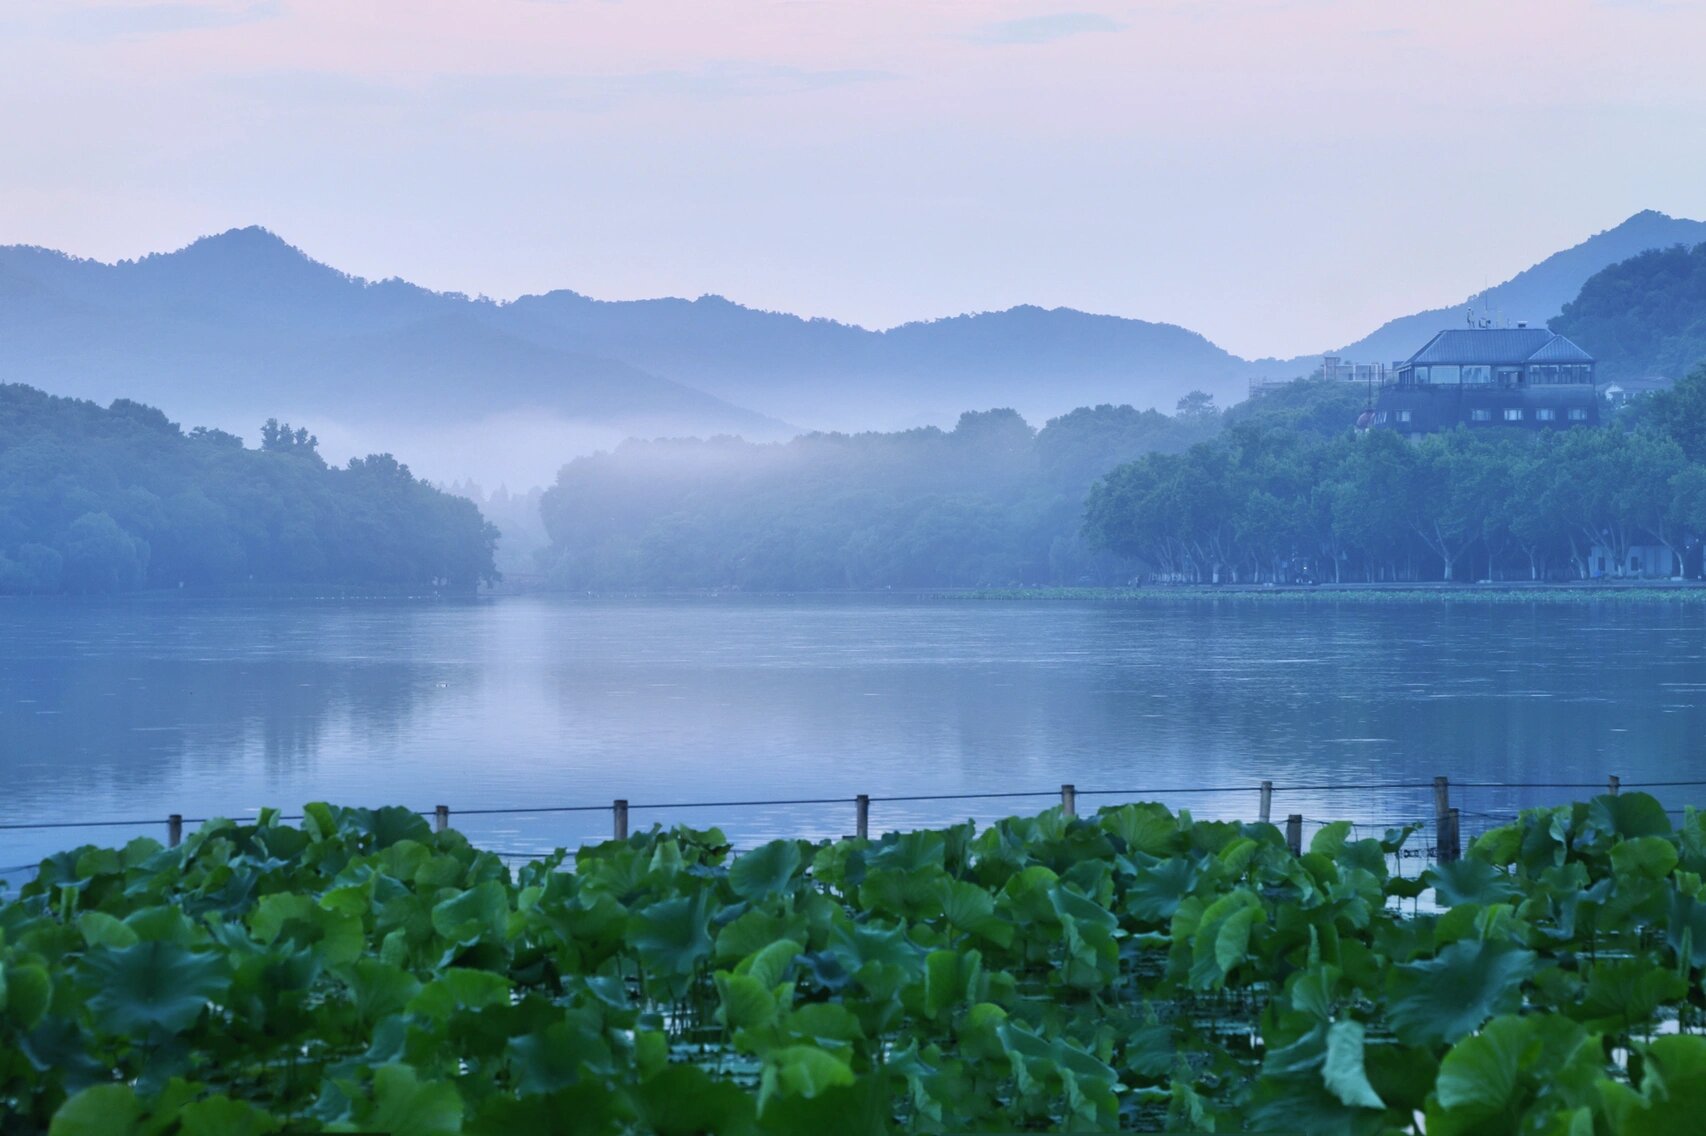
(1499,346)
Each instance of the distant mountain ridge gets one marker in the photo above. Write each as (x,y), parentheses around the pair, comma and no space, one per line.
(1536,294)
(240,326)
(1645,317)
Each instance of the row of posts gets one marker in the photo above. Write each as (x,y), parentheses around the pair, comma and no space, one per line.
(1448,836)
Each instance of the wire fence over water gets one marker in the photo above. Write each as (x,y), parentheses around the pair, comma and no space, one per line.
(1445,827)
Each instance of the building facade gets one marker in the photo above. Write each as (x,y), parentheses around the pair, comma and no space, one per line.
(1485,377)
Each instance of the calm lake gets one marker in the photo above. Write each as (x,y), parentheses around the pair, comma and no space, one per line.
(143,708)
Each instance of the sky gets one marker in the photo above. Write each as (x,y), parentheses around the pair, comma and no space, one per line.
(1280,175)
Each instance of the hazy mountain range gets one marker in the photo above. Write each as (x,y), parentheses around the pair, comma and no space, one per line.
(242,326)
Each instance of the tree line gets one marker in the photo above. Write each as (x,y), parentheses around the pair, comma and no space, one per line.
(97,500)
(1260,504)
(991,502)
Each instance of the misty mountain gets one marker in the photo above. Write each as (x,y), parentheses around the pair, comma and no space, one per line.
(1645,317)
(240,327)
(1535,294)
(824,374)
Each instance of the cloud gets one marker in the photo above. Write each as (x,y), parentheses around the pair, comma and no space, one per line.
(458,94)
(1042,29)
(95,23)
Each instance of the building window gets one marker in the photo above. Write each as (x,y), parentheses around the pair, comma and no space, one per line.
(1513,414)
(1443,374)
(1544,374)
(1545,414)
(1481,415)
(1380,417)
(1477,374)
(1510,376)
(1403,416)
(1578,415)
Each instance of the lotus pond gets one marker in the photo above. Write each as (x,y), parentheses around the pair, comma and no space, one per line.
(1134,970)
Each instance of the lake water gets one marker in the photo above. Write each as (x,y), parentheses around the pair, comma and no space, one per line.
(140,709)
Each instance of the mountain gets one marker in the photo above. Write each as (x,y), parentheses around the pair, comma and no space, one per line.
(830,375)
(240,327)
(1643,318)
(1535,294)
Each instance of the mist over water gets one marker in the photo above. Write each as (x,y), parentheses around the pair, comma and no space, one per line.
(143,708)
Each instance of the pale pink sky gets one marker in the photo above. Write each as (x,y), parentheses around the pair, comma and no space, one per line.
(1281,176)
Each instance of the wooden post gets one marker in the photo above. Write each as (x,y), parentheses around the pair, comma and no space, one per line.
(1450,838)
(862,816)
(1294,833)
(1267,801)
(619,808)
(1443,838)
(1614,783)
(1069,800)
(174,830)
(440,818)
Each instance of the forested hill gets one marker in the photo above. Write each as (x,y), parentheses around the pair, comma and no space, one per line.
(993,502)
(1535,294)
(1644,317)
(99,500)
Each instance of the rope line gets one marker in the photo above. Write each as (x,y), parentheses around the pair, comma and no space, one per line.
(915,797)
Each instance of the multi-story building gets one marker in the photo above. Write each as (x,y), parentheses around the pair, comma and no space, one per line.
(1483,377)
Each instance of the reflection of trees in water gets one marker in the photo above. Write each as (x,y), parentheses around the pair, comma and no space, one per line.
(97,697)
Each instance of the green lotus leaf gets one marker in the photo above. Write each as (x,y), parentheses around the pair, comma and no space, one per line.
(1343,1072)
(1144,827)
(1653,857)
(914,895)
(1622,994)
(163,923)
(380,989)
(1672,1097)
(673,935)
(824,1022)
(769,967)
(746,1002)
(26,991)
(1470,881)
(683,1101)
(1685,927)
(971,909)
(752,931)
(801,1070)
(1155,892)
(1330,839)
(861,1109)
(479,914)
(152,986)
(564,1053)
(1449,996)
(765,871)
(1221,938)
(1627,815)
(404,1105)
(460,988)
(102,930)
(579,1110)
(222,1116)
(100,1110)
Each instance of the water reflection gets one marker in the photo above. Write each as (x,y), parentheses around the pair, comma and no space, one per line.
(141,709)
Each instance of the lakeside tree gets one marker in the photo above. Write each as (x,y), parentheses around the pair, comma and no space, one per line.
(1260,499)
(99,500)
(992,502)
